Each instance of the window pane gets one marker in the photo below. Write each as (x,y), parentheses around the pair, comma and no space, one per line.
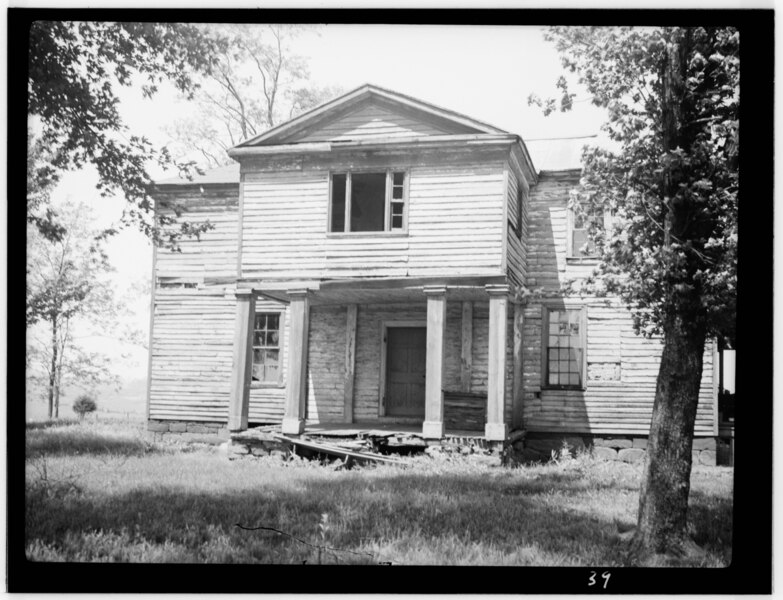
(272,338)
(582,245)
(553,378)
(368,201)
(397,192)
(338,202)
(273,321)
(398,178)
(260,321)
(258,365)
(397,208)
(271,373)
(258,338)
(573,379)
(272,358)
(396,222)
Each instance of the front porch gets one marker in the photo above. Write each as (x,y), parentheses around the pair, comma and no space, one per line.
(343,373)
(372,440)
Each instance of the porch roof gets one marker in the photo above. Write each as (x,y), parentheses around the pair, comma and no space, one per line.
(376,291)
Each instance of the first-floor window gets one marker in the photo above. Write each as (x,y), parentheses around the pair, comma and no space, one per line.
(564,348)
(367,201)
(266,348)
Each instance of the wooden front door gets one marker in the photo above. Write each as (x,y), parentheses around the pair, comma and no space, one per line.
(406,367)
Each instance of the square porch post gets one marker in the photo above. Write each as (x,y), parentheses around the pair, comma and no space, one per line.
(496,428)
(433,427)
(296,380)
(243,360)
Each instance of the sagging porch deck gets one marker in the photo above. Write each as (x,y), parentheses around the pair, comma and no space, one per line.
(450,407)
(369,441)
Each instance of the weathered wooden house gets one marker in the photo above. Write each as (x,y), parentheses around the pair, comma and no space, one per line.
(367,266)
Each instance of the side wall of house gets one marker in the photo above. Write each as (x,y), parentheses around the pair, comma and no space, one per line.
(516,245)
(622,367)
(454,218)
(191,342)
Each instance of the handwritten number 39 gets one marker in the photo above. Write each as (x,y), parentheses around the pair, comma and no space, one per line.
(605,576)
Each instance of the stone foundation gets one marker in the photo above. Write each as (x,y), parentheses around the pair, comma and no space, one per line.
(252,443)
(204,432)
(538,447)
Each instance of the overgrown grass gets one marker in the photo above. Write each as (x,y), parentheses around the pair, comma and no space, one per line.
(119,498)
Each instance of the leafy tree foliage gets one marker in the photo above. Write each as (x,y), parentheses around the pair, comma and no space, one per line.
(66,284)
(672,96)
(74,70)
(84,404)
(257,83)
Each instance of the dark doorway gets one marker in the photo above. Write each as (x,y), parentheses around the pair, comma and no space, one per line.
(406,368)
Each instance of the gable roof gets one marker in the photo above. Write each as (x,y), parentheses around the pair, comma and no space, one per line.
(421,118)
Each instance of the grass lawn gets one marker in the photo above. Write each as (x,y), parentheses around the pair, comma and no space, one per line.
(98,491)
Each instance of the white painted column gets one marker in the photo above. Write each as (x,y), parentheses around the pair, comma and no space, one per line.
(296,377)
(243,360)
(433,427)
(496,428)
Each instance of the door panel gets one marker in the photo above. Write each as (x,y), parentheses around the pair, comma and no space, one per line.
(406,356)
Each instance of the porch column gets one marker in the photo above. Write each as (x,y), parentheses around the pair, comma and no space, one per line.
(296,380)
(496,428)
(433,427)
(243,360)
(517,395)
(350,361)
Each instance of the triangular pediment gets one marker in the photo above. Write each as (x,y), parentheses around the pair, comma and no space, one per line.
(370,113)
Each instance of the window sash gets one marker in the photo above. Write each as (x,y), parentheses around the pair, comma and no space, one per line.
(395,200)
(267,343)
(563,348)
(579,233)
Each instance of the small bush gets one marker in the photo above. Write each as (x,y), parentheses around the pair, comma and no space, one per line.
(84,404)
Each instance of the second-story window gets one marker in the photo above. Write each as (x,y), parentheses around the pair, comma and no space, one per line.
(580,241)
(368,201)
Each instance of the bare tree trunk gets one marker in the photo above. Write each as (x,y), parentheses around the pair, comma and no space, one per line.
(53,369)
(57,392)
(663,502)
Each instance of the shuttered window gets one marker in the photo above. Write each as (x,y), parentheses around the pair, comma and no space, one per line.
(564,348)
(368,201)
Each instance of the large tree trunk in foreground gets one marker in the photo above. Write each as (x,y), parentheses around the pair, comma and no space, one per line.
(663,501)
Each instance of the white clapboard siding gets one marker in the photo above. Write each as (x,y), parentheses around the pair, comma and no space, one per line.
(454,227)
(622,405)
(192,351)
(368,121)
(214,253)
(516,248)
